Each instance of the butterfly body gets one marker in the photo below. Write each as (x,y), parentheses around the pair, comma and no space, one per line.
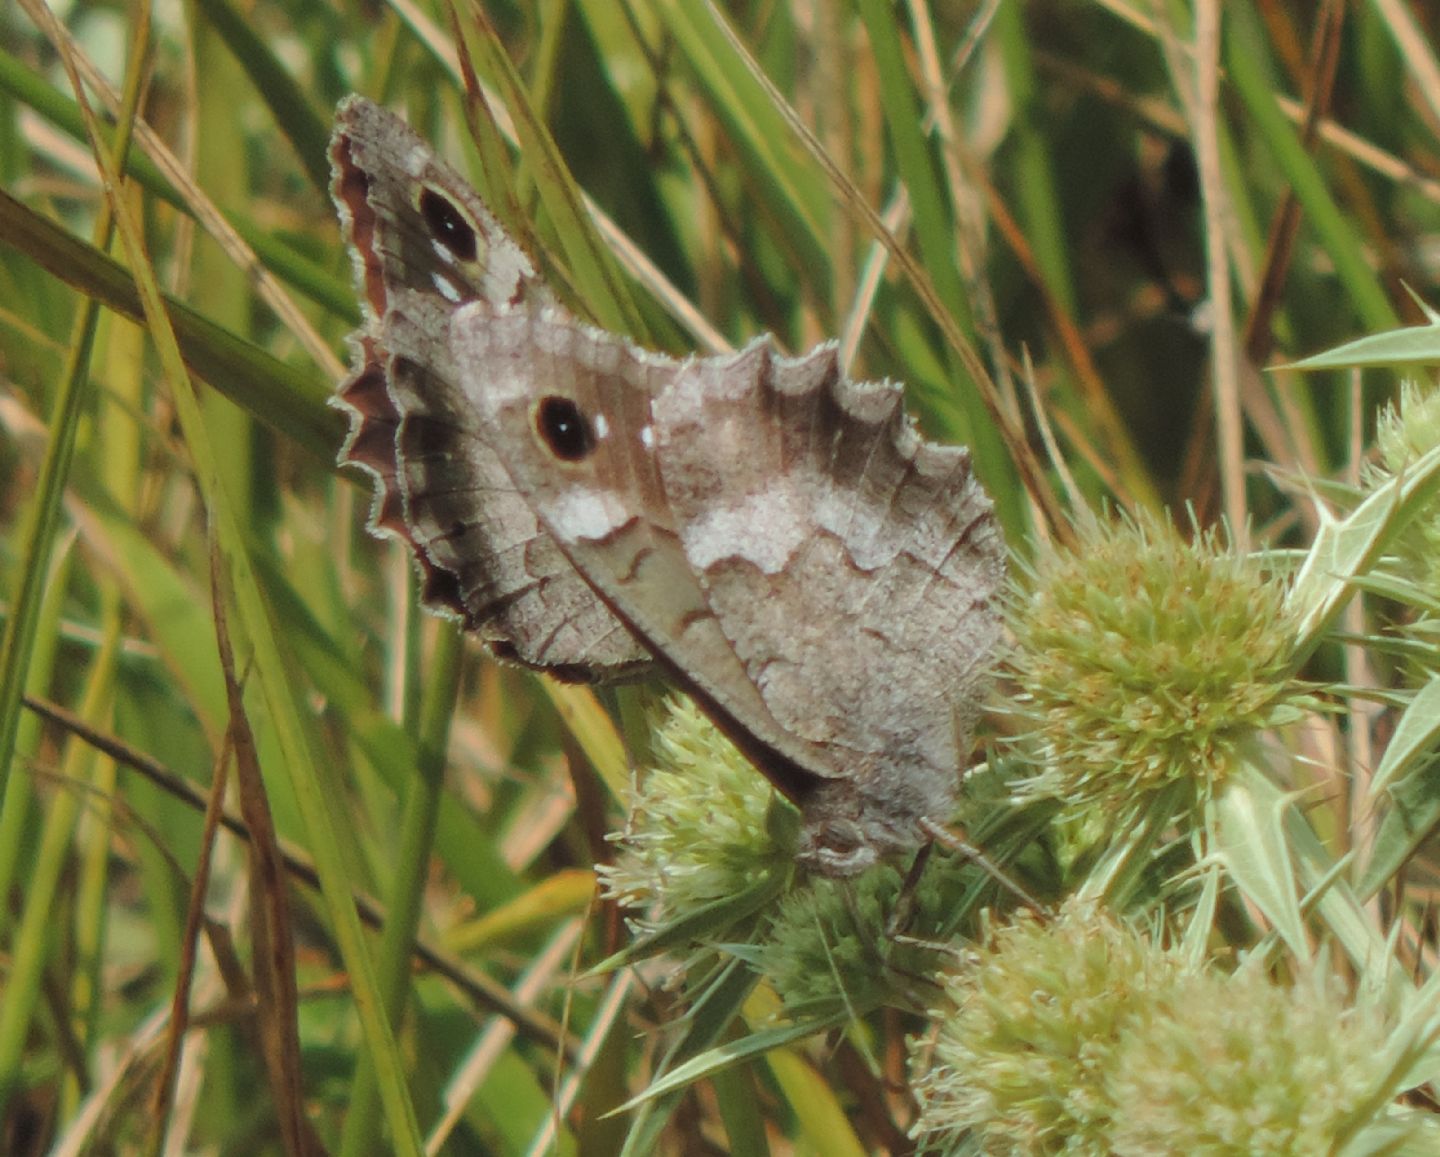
(776,537)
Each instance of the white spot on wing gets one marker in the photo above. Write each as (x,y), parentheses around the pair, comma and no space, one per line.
(602,427)
(445,287)
(442,252)
(765,529)
(647,437)
(582,512)
(417,159)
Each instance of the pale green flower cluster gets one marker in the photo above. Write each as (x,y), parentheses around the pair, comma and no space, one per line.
(1236,1064)
(1082,1037)
(704,825)
(1144,663)
(1408,429)
(1404,432)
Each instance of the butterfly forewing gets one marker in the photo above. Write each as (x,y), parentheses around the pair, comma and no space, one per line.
(423,245)
(609,508)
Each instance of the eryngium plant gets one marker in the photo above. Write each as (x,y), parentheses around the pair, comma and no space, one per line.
(1083,1036)
(1144,665)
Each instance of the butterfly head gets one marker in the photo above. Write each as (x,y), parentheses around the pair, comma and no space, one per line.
(837,849)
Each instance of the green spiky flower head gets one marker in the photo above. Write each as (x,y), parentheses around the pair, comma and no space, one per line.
(705,829)
(1405,432)
(868,940)
(827,945)
(1145,663)
(1019,1065)
(1234,1065)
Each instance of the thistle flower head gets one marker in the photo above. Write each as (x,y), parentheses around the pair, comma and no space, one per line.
(1144,662)
(704,826)
(1083,1036)
(834,944)
(1405,431)
(1409,428)
(1235,1064)
(827,943)
(1020,1063)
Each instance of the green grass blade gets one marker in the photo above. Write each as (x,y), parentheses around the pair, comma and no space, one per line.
(790,187)
(403,905)
(288,103)
(317,282)
(291,401)
(596,276)
(272,678)
(1245,63)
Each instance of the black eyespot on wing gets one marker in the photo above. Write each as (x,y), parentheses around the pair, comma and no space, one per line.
(564,429)
(447,224)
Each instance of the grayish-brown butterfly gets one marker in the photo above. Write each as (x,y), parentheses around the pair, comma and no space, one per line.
(774,536)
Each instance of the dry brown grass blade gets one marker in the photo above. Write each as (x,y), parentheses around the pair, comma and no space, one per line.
(1285,224)
(477,987)
(1224,343)
(1077,354)
(273,950)
(165,1084)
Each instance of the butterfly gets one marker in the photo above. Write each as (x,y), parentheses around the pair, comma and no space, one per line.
(776,538)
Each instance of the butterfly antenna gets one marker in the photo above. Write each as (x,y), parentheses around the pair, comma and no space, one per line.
(945,837)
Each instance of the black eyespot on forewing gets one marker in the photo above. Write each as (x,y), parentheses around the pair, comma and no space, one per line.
(447,224)
(564,429)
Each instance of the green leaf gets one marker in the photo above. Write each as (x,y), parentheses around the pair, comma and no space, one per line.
(1407,346)
(732,1053)
(286,100)
(1249,833)
(292,402)
(1416,738)
(1345,549)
